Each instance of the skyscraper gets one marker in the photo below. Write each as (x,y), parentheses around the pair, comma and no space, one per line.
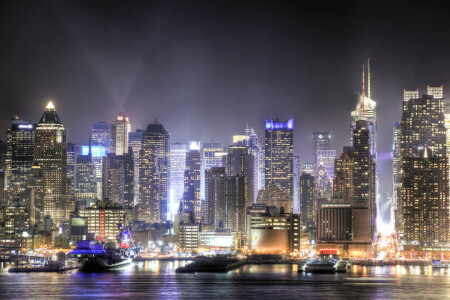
(343,179)
(396,176)
(366,110)
(135,142)
(307,205)
(158,137)
(118,179)
(50,155)
(425,203)
(364,172)
(215,204)
(424,216)
(85,191)
(321,141)
(119,134)
(72,153)
(191,196)
(279,154)
(19,153)
(101,136)
(177,168)
(149,179)
(211,155)
(236,202)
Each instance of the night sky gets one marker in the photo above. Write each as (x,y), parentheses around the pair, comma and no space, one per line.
(205,69)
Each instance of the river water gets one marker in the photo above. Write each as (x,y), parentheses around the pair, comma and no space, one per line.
(158,280)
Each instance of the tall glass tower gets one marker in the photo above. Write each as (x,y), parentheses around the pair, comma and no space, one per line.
(177,168)
(50,154)
(279,154)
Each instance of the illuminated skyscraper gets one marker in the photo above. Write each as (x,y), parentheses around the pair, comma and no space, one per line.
(279,154)
(425,203)
(343,179)
(85,192)
(50,155)
(366,110)
(118,179)
(307,205)
(101,137)
(396,176)
(177,168)
(321,141)
(119,134)
(364,172)
(191,196)
(149,206)
(424,173)
(135,142)
(211,156)
(158,137)
(236,204)
(215,205)
(19,153)
(72,153)
(326,159)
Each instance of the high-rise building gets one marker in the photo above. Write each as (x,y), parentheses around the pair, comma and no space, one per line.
(158,137)
(424,216)
(307,203)
(425,202)
(307,168)
(177,168)
(321,141)
(343,179)
(236,204)
(149,206)
(364,189)
(118,179)
(119,134)
(211,155)
(72,153)
(279,154)
(85,191)
(215,205)
(19,153)
(326,159)
(396,178)
(366,110)
(50,154)
(241,162)
(191,196)
(101,137)
(135,142)
(423,125)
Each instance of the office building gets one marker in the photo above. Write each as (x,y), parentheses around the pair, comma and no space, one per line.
(307,203)
(364,172)
(343,179)
(211,156)
(85,183)
(157,137)
(119,134)
(135,142)
(19,153)
(425,203)
(177,168)
(118,179)
(50,154)
(215,203)
(191,197)
(279,154)
(321,141)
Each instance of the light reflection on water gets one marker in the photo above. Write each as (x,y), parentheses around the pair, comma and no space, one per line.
(157,279)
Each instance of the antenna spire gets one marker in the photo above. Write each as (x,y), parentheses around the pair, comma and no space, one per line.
(363,96)
(368,78)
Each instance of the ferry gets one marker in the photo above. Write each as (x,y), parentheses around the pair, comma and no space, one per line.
(325,263)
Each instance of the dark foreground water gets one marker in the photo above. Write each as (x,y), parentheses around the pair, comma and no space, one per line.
(153,280)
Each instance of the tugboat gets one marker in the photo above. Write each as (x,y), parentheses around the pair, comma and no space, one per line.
(97,255)
(325,263)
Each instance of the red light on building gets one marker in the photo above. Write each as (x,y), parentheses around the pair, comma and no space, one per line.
(328,251)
